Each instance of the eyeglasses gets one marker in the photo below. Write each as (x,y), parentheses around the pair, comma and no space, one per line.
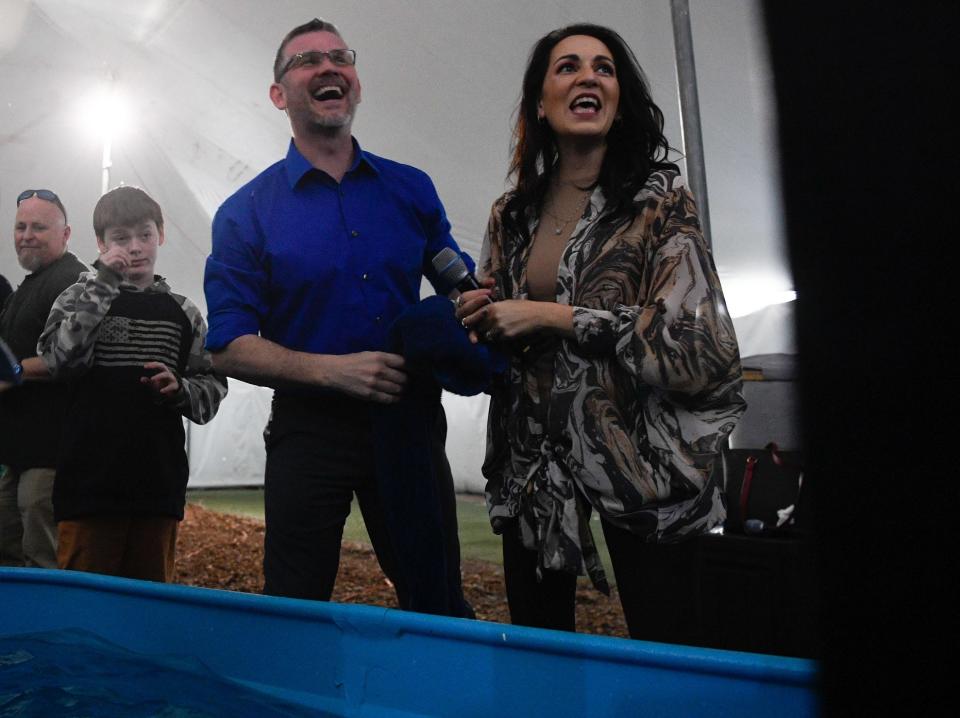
(43,194)
(339,57)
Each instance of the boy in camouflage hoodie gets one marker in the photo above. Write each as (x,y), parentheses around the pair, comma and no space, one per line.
(134,354)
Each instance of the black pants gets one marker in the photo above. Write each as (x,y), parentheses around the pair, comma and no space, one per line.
(320,452)
(658,586)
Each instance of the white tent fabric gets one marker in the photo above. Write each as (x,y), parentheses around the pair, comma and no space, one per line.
(230,452)
(440,83)
(767,331)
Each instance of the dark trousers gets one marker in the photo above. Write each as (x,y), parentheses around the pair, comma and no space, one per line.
(305,509)
(658,586)
(320,452)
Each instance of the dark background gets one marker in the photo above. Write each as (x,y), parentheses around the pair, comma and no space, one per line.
(867,138)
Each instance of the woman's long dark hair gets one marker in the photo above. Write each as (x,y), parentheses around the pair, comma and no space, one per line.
(635,144)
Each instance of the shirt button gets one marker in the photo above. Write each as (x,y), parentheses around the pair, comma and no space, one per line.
(378,319)
(354,233)
(364,277)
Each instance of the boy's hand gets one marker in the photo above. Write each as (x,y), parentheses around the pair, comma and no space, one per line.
(164,383)
(117,258)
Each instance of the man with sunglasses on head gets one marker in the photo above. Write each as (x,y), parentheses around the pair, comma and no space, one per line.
(30,412)
(311,263)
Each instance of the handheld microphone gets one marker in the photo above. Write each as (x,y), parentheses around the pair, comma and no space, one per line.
(454,271)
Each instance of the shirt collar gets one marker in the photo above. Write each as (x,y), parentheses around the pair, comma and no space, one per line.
(297,166)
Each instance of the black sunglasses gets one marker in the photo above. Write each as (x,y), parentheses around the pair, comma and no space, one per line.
(43,194)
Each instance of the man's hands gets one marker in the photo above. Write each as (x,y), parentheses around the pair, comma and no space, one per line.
(33,369)
(372,376)
(164,383)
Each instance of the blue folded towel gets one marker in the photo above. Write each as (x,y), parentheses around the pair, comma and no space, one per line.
(429,336)
(438,354)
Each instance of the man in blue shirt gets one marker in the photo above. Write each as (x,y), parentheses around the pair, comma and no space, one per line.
(311,263)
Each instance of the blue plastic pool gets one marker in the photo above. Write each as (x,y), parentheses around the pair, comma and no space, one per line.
(351,660)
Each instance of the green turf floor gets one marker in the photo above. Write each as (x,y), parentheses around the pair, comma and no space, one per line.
(477,541)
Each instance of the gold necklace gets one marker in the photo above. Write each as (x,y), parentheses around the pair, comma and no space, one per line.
(563,222)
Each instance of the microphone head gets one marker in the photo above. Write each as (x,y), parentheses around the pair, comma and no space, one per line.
(450,266)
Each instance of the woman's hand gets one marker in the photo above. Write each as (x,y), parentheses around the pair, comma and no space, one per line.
(470,302)
(513,318)
(509,319)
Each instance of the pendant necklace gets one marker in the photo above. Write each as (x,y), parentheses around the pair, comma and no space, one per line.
(561,222)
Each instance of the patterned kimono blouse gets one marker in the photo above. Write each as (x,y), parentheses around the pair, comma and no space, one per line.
(642,398)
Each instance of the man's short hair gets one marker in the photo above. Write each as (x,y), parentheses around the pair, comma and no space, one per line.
(315,25)
(125,207)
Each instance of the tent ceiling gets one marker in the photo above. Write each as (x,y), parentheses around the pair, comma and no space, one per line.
(440,84)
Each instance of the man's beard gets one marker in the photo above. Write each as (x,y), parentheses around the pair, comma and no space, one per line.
(30,260)
(325,123)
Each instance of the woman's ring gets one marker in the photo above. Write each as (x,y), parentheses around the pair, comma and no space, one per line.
(459,301)
(463,324)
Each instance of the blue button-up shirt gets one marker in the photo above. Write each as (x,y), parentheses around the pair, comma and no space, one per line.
(321,266)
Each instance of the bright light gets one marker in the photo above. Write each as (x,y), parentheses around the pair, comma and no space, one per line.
(748,295)
(104,114)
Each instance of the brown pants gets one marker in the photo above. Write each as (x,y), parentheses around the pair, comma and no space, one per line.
(128,546)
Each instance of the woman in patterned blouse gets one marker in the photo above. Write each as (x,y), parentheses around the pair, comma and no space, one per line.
(625,378)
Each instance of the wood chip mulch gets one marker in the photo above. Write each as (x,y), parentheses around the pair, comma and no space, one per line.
(224,551)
